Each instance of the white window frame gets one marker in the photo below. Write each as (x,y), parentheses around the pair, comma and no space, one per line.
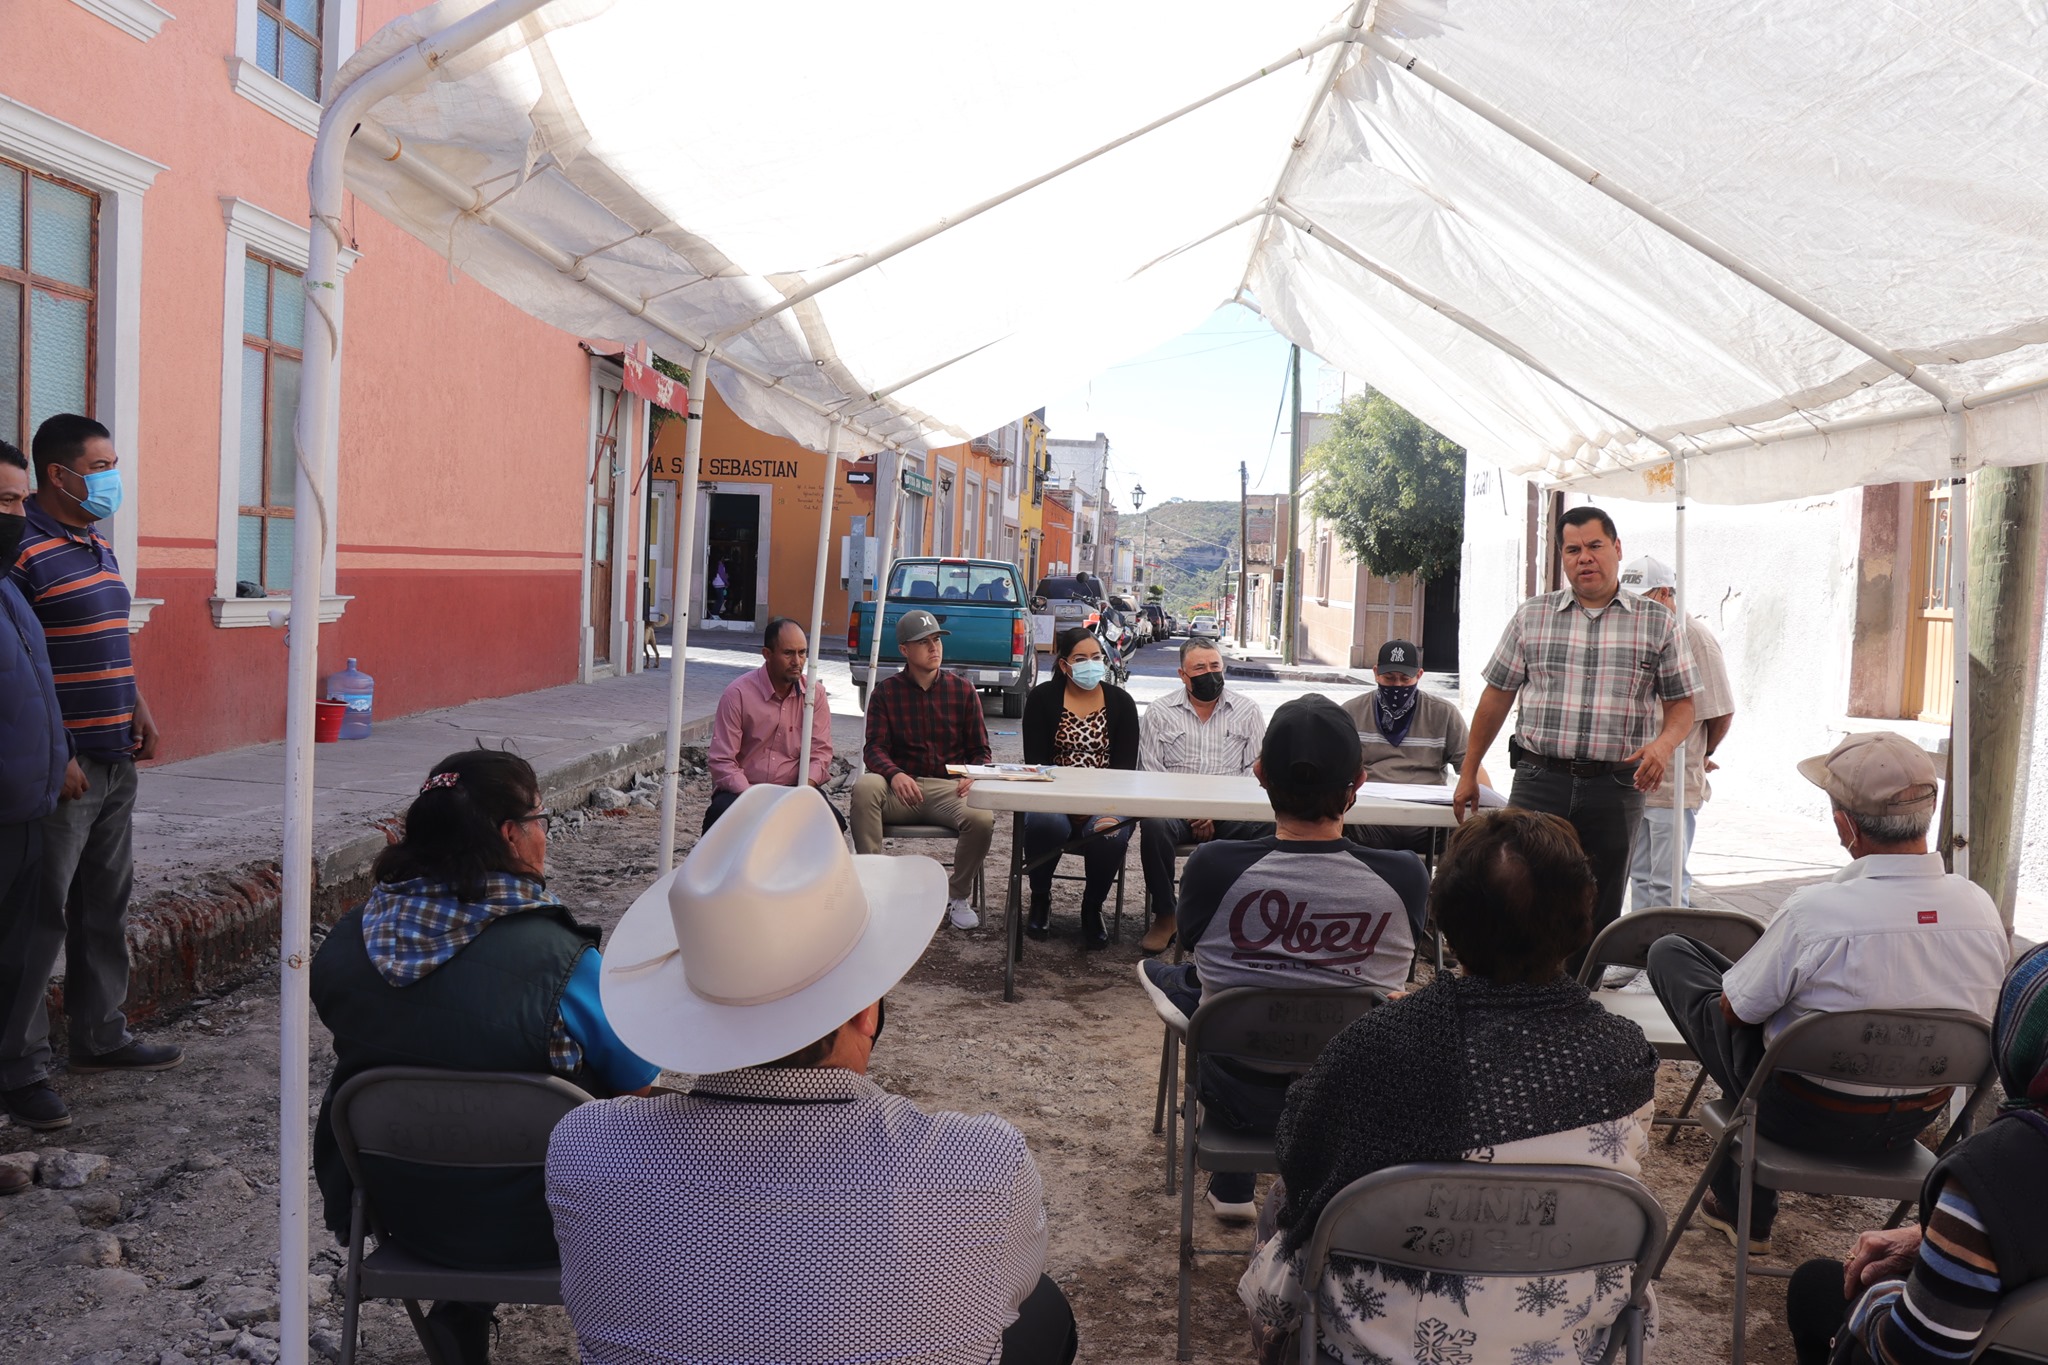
(120,178)
(252,230)
(136,18)
(339,24)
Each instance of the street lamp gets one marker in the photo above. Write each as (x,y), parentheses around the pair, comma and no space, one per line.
(1138,505)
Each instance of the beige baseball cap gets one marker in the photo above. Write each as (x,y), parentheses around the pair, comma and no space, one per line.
(1878,773)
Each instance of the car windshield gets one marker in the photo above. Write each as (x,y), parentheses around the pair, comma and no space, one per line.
(952,581)
(1074,589)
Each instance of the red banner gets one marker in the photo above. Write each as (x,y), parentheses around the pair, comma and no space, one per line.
(644,381)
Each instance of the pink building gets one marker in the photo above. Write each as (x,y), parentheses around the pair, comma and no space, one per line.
(152,231)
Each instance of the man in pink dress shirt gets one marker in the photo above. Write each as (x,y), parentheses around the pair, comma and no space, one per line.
(760,724)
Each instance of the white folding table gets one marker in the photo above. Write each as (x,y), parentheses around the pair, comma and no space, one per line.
(1130,794)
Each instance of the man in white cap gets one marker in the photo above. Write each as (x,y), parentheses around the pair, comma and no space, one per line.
(1713,711)
(920,721)
(1892,930)
(788,1208)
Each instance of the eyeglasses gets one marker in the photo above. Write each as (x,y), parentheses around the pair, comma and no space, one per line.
(542,814)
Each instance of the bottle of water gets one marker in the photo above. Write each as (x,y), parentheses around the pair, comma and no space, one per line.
(356,688)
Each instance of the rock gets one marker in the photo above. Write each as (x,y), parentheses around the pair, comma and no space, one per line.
(225,1183)
(116,1284)
(255,1348)
(189,1282)
(269,1331)
(222,1340)
(62,1170)
(93,1249)
(174,1358)
(609,798)
(96,1208)
(325,1345)
(246,1303)
(25,1162)
(203,1161)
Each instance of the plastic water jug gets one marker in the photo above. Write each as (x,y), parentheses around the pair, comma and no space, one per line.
(355,688)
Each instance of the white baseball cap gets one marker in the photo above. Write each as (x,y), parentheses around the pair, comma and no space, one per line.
(1648,575)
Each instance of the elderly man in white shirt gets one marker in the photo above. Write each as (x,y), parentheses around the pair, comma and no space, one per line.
(788,1208)
(1203,728)
(1892,930)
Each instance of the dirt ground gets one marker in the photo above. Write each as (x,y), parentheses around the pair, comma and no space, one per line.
(167,1255)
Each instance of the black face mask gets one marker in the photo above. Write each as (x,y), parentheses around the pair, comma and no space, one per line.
(12,527)
(1206,686)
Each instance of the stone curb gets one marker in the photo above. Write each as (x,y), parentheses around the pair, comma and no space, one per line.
(219,929)
(1242,668)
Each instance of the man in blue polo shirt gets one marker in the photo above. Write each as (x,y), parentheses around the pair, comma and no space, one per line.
(67,572)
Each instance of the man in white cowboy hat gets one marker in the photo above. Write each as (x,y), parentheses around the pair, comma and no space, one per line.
(787,1207)
(1892,930)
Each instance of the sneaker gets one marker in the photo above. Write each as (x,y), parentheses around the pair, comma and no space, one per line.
(1159,937)
(36,1106)
(135,1056)
(1616,978)
(1711,1214)
(1247,1212)
(961,915)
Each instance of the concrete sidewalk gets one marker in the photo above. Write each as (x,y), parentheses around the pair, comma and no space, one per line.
(208,830)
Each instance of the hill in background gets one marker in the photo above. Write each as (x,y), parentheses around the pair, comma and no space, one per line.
(1192,548)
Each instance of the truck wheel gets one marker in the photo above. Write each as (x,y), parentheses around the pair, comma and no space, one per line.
(1013,702)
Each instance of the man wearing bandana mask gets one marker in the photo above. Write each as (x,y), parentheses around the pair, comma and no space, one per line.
(1407,736)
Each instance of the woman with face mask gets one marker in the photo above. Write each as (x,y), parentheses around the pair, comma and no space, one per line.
(1078,719)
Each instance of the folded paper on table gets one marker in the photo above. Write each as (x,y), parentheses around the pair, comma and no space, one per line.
(1426,793)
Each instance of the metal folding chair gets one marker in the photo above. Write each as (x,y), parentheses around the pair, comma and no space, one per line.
(2019,1325)
(1915,1049)
(1266,1029)
(453,1120)
(939,832)
(1626,943)
(1468,1218)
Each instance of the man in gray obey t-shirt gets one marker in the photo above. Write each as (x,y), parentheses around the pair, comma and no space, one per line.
(1302,907)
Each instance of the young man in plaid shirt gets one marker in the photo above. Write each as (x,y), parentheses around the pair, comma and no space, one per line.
(1590,665)
(919,721)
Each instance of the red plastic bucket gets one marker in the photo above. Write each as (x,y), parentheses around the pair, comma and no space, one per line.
(327,720)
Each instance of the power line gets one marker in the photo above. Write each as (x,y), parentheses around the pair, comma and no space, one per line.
(1278,408)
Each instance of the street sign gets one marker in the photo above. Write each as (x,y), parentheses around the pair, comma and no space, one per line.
(914,482)
(860,478)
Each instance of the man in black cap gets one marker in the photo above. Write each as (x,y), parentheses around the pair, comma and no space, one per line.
(920,720)
(1408,736)
(1303,906)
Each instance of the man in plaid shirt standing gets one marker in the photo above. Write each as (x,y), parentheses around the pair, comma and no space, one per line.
(1590,665)
(919,721)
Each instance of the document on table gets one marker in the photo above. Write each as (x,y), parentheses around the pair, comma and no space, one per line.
(1426,793)
(1002,772)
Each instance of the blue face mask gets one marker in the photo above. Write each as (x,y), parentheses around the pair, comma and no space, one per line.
(1088,673)
(102,492)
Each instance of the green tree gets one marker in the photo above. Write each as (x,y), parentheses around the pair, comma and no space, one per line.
(1394,487)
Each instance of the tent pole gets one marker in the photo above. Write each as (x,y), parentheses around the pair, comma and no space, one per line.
(679,630)
(803,753)
(1959,710)
(885,545)
(1679,895)
(315,432)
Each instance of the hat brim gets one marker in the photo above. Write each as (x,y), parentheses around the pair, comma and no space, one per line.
(1815,770)
(655,1013)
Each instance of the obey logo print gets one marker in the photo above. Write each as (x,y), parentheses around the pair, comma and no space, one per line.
(1930,916)
(1268,922)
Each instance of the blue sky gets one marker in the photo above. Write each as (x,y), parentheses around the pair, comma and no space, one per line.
(1181,416)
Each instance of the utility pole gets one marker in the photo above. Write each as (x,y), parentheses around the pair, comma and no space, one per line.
(1244,552)
(1291,613)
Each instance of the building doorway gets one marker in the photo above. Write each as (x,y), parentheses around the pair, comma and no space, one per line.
(604,478)
(661,554)
(732,561)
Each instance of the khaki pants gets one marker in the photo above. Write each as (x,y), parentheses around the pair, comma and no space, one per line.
(874,805)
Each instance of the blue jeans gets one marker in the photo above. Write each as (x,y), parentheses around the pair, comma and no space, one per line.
(1101,855)
(1649,866)
(1605,811)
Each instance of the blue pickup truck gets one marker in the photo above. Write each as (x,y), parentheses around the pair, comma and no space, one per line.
(980,601)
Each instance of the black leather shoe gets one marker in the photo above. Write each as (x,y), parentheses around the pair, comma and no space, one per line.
(36,1106)
(462,1330)
(136,1056)
(1093,935)
(1041,915)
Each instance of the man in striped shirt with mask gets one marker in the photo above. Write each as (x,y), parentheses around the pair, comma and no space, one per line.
(68,573)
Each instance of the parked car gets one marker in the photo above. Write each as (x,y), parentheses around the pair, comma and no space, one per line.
(979,601)
(1071,600)
(1129,612)
(1204,625)
(1156,614)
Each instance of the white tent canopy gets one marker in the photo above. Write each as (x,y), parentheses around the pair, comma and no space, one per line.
(1763,250)
(1830,238)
